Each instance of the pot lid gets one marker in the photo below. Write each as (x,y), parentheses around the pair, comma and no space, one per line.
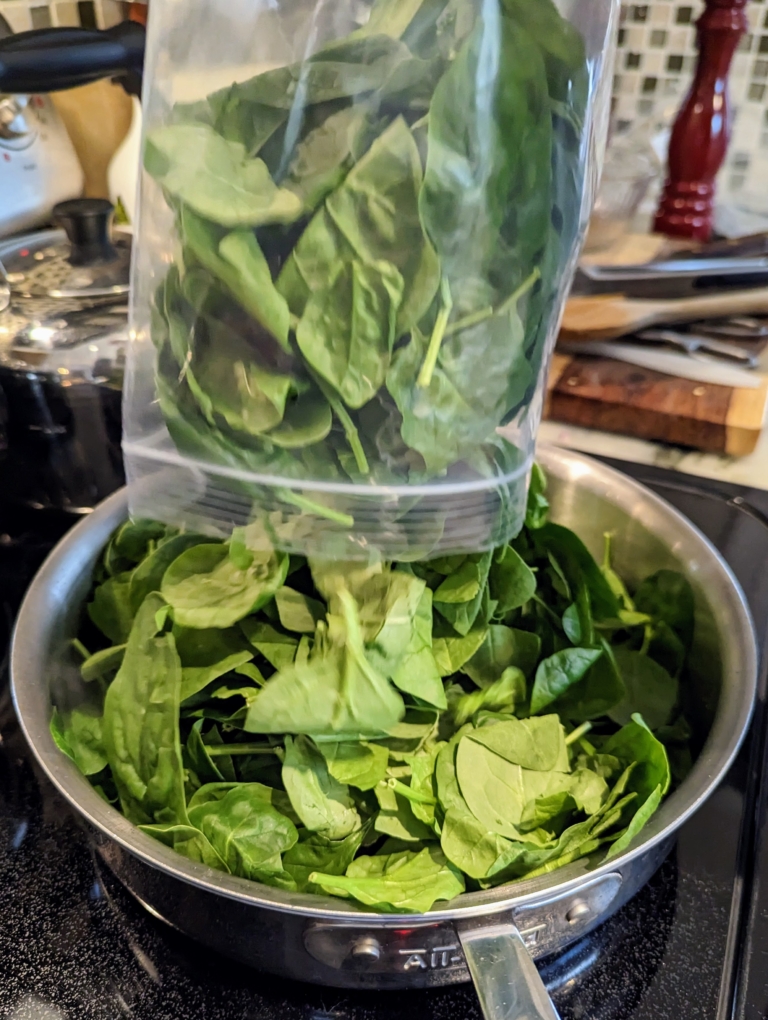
(64,298)
(82,261)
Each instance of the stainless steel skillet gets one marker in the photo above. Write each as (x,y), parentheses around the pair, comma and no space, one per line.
(490,936)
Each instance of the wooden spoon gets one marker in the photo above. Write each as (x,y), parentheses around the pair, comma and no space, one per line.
(606,316)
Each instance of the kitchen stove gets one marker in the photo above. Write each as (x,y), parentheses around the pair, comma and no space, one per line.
(693,945)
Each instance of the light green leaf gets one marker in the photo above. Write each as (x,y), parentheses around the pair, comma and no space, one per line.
(216,178)
(277,648)
(248,834)
(206,589)
(359,764)
(298,612)
(398,882)
(321,802)
(336,692)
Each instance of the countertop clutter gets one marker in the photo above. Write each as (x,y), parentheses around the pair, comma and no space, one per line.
(662,357)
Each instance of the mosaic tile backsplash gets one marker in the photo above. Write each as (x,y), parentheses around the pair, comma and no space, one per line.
(656,58)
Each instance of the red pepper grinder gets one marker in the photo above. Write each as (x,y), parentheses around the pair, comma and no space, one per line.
(702,129)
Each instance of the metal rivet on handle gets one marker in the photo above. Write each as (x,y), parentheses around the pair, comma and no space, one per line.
(366,949)
(578,910)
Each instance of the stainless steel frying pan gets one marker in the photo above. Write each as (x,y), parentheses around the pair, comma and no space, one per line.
(490,937)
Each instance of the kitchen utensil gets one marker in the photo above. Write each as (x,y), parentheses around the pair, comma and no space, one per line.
(693,343)
(331,942)
(62,347)
(735,328)
(749,246)
(682,366)
(38,164)
(613,396)
(50,59)
(606,316)
(676,268)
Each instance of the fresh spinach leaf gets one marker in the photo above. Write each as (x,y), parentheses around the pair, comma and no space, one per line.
(248,834)
(322,803)
(650,690)
(503,647)
(356,763)
(347,330)
(81,738)
(216,178)
(404,881)
(141,723)
(667,597)
(335,692)
(297,612)
(206,589)
(559,672)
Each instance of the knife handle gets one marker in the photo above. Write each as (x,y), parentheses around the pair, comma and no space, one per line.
(715,306)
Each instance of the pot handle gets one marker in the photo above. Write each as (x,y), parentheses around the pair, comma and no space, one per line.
(50,59)
(507,982)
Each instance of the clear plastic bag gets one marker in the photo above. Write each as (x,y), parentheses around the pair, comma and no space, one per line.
(356,231)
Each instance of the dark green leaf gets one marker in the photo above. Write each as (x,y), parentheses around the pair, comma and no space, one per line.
(347,330)
(650,690)
(141,723)
(559,672)
(511,581)
(667,597)
(503,647)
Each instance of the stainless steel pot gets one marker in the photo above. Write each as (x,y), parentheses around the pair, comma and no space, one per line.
(488,936)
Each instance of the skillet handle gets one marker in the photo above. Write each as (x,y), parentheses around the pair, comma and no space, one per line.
(505,977)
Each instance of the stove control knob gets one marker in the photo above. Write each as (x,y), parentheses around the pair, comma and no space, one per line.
(12,123)
(365,950)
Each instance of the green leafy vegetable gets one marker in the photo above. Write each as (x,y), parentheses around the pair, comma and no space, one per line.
(141,723)
(398,882)
(216,177)
(205,588)
(322,803)
(381,731)
(371,244)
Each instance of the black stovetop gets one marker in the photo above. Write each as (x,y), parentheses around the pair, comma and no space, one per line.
(693,945)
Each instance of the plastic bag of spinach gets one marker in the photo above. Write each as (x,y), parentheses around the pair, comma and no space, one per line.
(354,243)
(394,733)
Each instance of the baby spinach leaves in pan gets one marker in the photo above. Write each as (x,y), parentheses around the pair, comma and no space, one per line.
(384,732)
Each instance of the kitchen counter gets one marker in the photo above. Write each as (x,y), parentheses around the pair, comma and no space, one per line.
(751,471)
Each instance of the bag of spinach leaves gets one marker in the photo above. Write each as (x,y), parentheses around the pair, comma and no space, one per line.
(393,733)
(351,266)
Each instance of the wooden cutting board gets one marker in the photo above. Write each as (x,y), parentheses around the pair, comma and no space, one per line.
(600,393)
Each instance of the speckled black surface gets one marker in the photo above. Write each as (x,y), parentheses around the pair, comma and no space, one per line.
(693,945)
